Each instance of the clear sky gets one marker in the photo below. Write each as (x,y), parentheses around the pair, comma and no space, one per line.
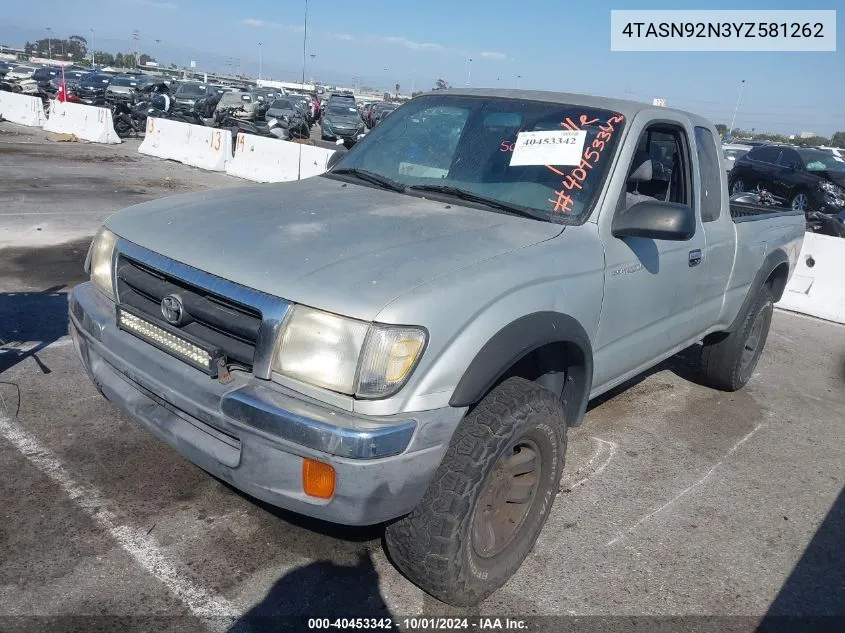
(552,44)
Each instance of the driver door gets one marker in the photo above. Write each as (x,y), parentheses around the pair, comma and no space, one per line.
(652,288)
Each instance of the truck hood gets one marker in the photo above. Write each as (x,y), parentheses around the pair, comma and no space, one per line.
(345,248)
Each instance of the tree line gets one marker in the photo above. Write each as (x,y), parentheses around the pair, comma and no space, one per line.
(75,49)
(837,140)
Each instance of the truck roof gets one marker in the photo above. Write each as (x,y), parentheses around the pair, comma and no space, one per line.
(623,106)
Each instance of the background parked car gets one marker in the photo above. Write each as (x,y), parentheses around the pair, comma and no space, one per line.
(263,98)
(301,101)
(282,109)
(341,122)
(92,87)
(187,93)
(380,111)
(121,87)
(803,178)
(72,79)
(20,72)
(732,152)
(44,75)
(240,104)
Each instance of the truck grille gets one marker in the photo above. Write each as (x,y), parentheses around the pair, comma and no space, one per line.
(212,319)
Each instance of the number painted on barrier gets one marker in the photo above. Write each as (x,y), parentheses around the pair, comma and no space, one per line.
(101,115)
(150,125)
(215,140)
(241,142)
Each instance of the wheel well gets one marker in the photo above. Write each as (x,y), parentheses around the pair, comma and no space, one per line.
(776,281)
(560,367)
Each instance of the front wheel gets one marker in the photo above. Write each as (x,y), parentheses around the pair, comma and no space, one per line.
(727,361)
(489,499)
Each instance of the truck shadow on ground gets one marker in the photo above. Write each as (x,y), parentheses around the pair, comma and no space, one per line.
(29,322)
(318,590)
(813,596)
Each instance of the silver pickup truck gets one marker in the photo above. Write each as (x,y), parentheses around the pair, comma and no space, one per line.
(407,337)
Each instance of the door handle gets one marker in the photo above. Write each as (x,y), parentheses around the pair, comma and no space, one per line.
(695,257)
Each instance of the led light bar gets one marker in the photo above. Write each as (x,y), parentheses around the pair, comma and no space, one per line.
(178,346)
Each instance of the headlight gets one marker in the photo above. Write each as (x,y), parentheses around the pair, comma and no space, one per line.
(829,187)
(99,261)
(321,348)
(346,355)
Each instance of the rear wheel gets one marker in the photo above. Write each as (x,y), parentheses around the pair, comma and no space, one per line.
(489,499)
(728,362)
(737,186)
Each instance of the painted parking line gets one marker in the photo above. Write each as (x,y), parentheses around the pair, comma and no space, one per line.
(621,535)
(213,609)
(604,452)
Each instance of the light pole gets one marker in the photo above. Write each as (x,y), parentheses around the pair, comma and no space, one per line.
(260,61)
(49,42)
(738,99)
(304,42)
(312,56)
(92,48)
(518,81)
(469,70)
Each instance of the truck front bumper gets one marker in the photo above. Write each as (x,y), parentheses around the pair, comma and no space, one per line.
(255,434)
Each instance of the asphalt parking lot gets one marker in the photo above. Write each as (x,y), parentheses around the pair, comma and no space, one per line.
(677,500)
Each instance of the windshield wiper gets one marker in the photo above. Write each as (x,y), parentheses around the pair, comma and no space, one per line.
(371,177)
(494,203)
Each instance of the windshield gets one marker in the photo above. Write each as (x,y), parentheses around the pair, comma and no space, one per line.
(95,80)
(338,110)
(548,157)
(820,160)
(123,81)
(23,69)
(190,90)
(282,104)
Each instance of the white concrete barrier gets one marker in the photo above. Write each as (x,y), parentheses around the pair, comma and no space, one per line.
(196,145)
(22,109)
(263,159)
(817,286)
(87,122)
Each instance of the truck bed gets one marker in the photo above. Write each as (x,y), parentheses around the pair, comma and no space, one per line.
(744,212)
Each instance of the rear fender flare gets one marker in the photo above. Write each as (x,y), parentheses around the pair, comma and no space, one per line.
(774,259)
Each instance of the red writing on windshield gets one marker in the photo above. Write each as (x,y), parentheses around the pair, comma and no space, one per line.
(592,155)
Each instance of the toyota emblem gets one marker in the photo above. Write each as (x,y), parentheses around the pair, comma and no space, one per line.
(172,309)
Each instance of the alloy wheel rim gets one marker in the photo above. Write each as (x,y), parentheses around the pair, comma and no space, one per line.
(752,343)
(799,202)
(508,498)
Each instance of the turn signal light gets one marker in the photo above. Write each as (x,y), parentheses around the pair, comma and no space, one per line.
(318,479)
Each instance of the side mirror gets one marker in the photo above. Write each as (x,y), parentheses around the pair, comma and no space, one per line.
(655,220)
(336,156)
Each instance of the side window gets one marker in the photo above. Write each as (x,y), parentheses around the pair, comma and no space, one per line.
(661,167)
(711,174)
(789,158)
(765,155)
